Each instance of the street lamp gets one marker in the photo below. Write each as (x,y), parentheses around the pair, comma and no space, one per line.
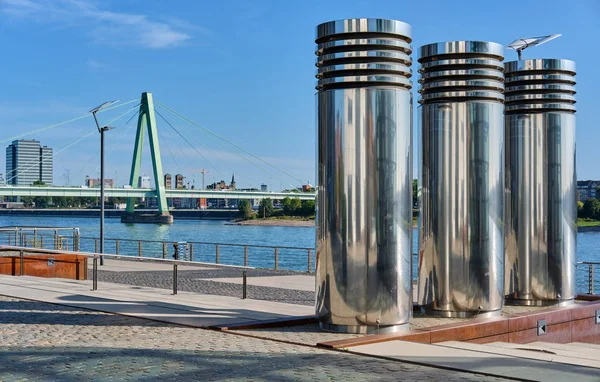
(101,130)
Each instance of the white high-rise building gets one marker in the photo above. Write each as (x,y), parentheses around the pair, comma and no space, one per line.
(27,162)
(144,181)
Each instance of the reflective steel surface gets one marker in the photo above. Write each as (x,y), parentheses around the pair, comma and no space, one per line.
(541,183)
(364,213)
(461,243)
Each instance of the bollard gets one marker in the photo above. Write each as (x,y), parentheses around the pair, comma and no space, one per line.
(95,245)
(216,253)
(95,274)
(309,261)
(191,251)
(244,285)
(164,250)
(591,278)
(22,260)
(76,246)
(116,247)
(276,258)
(174,278)
(139,248)
(245,255)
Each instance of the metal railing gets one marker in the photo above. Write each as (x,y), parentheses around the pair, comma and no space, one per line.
(57,238)
(588,267)
(94,257)
(258,256)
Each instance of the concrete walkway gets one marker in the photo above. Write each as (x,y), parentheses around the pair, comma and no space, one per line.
(185,308)
(475,358)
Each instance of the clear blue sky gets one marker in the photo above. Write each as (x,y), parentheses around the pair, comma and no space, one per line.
(244,69)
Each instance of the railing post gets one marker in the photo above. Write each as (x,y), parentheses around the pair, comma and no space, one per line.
(591,279)
(276,258)
(139,248)
(24,240)
(191,251)
(22,261)
(244,285)
(16,237)
(56,240)
(216,253)
(174,278)
(116,246)
(309,261)
(164,250)
(245,256)
(42,241)
(95,274)
(76,246)
(95,246)
(34,237)
(9,238)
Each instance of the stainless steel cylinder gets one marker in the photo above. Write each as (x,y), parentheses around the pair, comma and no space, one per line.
(541,198)
(364,221)
(461,243)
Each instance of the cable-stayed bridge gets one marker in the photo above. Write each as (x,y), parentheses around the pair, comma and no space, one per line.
(148,193)
(146,111)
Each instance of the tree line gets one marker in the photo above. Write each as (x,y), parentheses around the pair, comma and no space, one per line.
(290,207)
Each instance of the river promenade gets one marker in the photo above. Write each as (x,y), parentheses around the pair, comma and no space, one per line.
(55,329)
(133,328)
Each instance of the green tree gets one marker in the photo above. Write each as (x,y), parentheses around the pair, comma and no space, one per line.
(296,206)
(579,209)
(415,192)
(245,209)
(41,201)
(38,183)
(287,206)
(27,201)
(591,209)
(308,208)
(265,208)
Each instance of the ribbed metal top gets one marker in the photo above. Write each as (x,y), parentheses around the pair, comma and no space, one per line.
(540,85)
(461,71)
(363,52)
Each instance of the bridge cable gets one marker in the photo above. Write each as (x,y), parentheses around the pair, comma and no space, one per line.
(231,143)
(215,155)
(120,134)
(65,122)
(184,138)
(89,161)
(235,152)
(53,154)
(160,135)
(38,161)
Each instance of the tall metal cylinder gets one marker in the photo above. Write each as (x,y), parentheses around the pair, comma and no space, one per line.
(461,246)
(541,199)
(364,118)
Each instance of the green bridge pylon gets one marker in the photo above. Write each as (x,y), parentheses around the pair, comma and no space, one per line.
(147,120)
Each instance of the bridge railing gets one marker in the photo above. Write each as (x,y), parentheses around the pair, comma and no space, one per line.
(299,259)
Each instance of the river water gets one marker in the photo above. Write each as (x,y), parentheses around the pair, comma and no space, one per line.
(216,231)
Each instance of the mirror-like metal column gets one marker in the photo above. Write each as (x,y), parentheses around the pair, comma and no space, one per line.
(541,199)
(461,247)
(364,217)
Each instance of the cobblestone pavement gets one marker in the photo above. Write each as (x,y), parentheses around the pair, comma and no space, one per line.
(195,281)
(42,342)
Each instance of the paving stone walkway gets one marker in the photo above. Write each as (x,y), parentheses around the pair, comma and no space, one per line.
(42,342)
(196,281)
